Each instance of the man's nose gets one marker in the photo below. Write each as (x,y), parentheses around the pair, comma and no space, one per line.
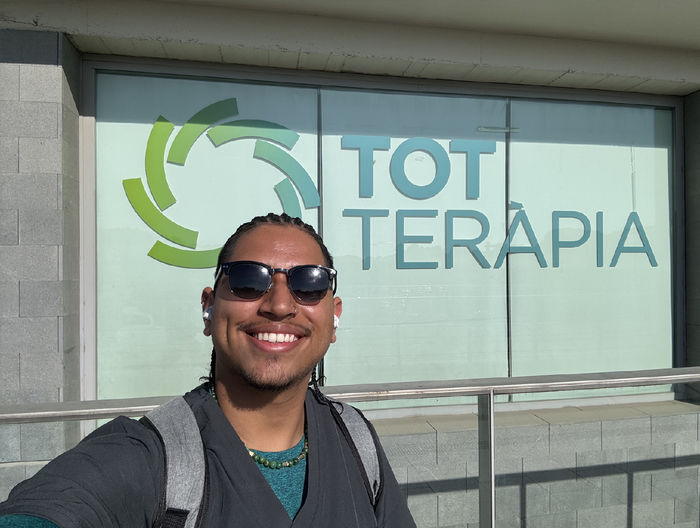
(279,301)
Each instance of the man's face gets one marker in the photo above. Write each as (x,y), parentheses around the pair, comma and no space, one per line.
(273,342)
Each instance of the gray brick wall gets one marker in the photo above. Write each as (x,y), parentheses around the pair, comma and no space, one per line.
(633,465)
(39,234)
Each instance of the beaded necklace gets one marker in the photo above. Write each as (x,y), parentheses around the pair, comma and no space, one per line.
(260,459)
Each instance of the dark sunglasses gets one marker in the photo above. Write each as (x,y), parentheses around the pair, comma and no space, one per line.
(251,280)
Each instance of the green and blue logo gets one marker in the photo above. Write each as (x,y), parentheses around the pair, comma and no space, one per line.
(214,120)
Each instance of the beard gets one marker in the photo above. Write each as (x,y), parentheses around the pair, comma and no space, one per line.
(272,377)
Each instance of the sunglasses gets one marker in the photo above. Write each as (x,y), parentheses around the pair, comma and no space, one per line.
(251,280)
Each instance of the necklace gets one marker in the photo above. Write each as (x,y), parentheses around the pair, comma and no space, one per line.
(266,462)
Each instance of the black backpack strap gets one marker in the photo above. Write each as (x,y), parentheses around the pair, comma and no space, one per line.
(363,442)
(185,467)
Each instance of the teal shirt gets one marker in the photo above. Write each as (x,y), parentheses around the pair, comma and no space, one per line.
(24,521)
(287,483)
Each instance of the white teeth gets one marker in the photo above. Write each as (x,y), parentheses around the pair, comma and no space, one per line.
(275,338)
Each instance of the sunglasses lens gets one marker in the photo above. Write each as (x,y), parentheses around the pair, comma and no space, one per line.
(248,280)
(309,284)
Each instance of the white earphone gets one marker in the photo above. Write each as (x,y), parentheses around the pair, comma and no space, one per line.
(336,321)
(206,314)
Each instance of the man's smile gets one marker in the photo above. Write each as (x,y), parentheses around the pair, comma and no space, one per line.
(274,337)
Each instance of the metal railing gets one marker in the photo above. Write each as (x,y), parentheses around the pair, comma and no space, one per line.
(485,389)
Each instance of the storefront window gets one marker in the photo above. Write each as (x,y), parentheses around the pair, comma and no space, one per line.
(474,236)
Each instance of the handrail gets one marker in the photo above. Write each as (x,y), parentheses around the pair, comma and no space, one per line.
(98,409)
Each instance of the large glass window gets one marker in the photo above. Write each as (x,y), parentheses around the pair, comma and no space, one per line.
(474,236)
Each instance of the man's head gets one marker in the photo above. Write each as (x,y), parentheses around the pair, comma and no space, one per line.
(271,340)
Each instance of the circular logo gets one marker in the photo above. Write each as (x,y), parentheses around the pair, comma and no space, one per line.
(269,136)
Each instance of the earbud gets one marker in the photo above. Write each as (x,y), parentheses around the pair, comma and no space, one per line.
(206,314)
(336,321)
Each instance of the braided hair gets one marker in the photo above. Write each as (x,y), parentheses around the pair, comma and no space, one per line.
(227,250)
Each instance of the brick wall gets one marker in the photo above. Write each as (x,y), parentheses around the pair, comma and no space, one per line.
(39,234)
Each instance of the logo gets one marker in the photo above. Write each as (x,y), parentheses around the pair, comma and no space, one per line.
(269,138)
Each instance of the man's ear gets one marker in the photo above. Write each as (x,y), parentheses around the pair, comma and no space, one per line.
(207,301)
(337,310)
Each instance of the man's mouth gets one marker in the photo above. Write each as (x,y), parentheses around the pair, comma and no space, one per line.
(273,337)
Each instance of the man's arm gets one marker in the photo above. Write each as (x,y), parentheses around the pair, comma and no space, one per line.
(112,478)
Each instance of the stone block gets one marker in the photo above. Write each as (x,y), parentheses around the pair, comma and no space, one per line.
(653,514)
(10,476)
(670,429)
(9,153)
(35,341)
(34,47)
(574,495)
(40,155)
(674,483)
(626,433)
(651,458)
(42,441)
(509,502)
(41,378)
(550,469)
(9,296)
(32,468)
(28,262)
(10,442)
(536,501)
(9,82)
(687,509)
(40,298)
(9,230)
(572,438)
(530,441)
(40,226)
(458,507)
(552,520)
(9,376)
(423,507)
(457,444)
(403,450)
(40,82)
(605,517)
(439,478)
(616,489)
(29,191)
(28,120)
(591,464)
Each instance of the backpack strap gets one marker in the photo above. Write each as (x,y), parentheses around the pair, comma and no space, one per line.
(363,442)
(185,467)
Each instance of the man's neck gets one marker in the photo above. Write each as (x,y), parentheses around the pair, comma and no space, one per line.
(263,420)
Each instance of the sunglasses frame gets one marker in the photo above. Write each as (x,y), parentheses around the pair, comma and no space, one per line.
(332,277)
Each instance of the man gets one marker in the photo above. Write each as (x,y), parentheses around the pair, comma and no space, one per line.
(275,453)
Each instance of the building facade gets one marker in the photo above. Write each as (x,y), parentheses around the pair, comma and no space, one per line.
(505,193)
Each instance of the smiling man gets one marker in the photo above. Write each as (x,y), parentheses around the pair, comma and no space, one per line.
(263,449)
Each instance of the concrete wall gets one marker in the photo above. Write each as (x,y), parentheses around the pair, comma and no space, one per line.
(39,233)
(633,465)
